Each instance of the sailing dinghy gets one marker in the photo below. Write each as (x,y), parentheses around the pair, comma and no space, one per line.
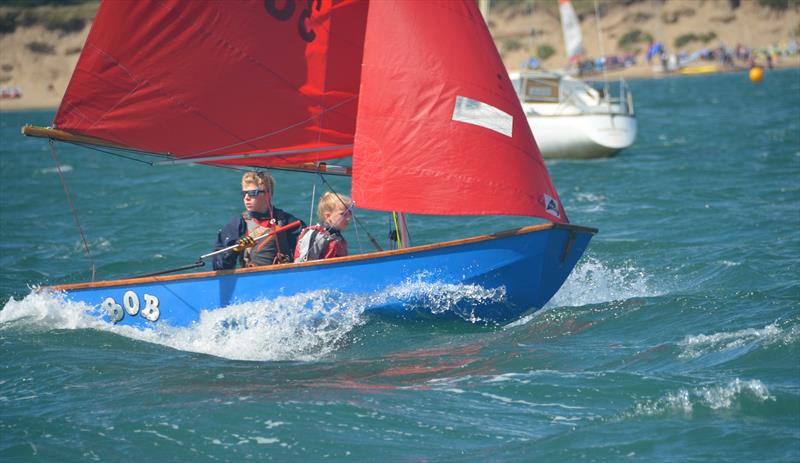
(414,92)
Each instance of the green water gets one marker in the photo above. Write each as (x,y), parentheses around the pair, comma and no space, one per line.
(676,338)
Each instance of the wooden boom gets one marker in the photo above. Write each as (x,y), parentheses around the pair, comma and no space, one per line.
(60,135)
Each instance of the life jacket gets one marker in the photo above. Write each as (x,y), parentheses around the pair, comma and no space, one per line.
(318,242)
(270,250)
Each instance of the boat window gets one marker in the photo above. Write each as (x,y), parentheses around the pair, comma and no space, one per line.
(572,89)
(541,90)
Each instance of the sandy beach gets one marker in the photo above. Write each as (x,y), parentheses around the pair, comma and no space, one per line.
(39,62)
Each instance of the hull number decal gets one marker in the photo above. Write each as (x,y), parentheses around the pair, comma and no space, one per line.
(132,306)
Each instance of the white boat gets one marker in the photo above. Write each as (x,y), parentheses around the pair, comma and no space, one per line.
(571,119)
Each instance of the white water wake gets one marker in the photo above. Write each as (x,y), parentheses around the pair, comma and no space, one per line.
(306,327)
(593,282)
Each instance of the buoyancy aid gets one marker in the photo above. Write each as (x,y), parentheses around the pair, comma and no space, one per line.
(270,250)
(319,242)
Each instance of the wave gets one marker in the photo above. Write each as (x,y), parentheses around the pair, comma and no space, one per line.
(306,327)
(53,170)
(593,282)
(715,397)
(695,346)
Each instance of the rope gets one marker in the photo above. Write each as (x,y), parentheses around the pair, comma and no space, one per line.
(396,230)
(72,206)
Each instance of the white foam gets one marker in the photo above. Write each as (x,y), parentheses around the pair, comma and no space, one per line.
(307,326)
(441,297)
(716,397)
(48,310)
(592,282)
(702,344)
(52,170)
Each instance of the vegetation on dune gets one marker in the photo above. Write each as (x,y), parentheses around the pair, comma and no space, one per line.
(633,37)
(689,38)
(780,4)
(40,48)
(511,44)
(545,51)
(65,16)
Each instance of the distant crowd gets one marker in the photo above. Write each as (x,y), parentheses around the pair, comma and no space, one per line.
(662,60)
(10,91)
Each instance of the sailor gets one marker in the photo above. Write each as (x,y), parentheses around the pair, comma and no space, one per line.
(324,240)
(260,218)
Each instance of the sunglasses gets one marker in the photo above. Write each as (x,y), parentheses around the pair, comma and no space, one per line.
(252,193)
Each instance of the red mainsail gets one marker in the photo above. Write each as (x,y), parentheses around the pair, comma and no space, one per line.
(414,90)
(209,78)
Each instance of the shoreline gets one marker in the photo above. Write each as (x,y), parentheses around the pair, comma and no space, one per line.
(638,72)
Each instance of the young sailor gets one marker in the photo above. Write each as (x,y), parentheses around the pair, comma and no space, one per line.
(324,239)
(261,217)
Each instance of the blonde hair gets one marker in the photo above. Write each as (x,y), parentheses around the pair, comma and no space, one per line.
(263,179)
(330,201)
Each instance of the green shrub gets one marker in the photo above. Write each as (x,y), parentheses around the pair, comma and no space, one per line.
(638,17)
(511,45)
(705,38)
(67,25)
(775,4)
(8,22)
(545,51)
(66,16)
(633,37)
(686,39)
(41,48)
(73,50)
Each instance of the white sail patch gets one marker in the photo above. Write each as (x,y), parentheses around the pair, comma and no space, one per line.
(551,205)
(485,115)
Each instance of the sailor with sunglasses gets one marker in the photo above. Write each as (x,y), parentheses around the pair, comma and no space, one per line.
(260,218)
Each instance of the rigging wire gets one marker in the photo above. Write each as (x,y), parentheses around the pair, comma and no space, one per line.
(72,206)
(113,153)
(311,208)
(162,156)
(602,52)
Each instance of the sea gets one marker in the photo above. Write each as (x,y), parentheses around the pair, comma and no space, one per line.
(675,339)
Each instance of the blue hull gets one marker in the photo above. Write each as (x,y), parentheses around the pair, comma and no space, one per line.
(521,268)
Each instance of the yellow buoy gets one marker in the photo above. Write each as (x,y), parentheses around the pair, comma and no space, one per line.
(756,74)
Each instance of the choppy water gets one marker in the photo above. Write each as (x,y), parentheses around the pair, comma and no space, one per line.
(675,339)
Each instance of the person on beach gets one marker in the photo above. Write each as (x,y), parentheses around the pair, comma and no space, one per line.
(324,239)
(260,218)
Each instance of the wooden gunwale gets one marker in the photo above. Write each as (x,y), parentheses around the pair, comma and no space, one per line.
(337,260)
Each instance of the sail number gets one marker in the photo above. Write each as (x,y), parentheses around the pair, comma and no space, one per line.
(132,304)
(285,11)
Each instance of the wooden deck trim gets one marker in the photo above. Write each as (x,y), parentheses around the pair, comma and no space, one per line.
(337,260)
